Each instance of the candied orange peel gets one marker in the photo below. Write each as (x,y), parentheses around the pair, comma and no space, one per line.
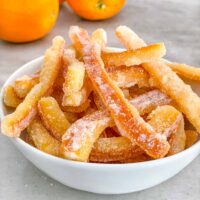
(134,57)
(74,80)
(93,103)
(14,123)
(10,97)
(129,38)
(166,80)
(78,141)
(125,116)
(186,71)
(129,77)
(24,84)
(162,118)
(100,36)
(53,117)
(42,139)
(114,149)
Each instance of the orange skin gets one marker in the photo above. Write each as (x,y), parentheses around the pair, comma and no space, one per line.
(24,21)
(61,1)
(96,9)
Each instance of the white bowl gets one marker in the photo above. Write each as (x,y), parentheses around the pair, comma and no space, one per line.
(100,178)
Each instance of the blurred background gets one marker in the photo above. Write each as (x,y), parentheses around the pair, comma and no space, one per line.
(26,31)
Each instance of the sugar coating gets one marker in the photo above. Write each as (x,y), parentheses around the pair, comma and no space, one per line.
(80,137)
(167,80)
(130,123)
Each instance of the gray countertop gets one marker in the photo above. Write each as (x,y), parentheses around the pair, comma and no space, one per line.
(177,23)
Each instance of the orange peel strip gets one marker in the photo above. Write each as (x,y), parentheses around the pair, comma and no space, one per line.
(10,98)
(14,123)
(80,97)
(74,80)
(134,57)
(23,85)
(148,101)
(53,117)
(100,36)
(129,38)
(191,137)
(77,142)
(167,81)
(114,149)
(126,117)
(165,117)
(186,71)
(42,139)
(126,77)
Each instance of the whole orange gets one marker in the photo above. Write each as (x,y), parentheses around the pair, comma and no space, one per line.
(96,9)
(26,20)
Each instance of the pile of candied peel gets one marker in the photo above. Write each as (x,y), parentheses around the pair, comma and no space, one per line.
(90,103)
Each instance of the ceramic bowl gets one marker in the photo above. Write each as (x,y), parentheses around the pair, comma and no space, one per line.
(101,178)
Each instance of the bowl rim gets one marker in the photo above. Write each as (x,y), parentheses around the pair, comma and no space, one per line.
(19,141)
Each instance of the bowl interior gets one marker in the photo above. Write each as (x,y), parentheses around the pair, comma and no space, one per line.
(35,64)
